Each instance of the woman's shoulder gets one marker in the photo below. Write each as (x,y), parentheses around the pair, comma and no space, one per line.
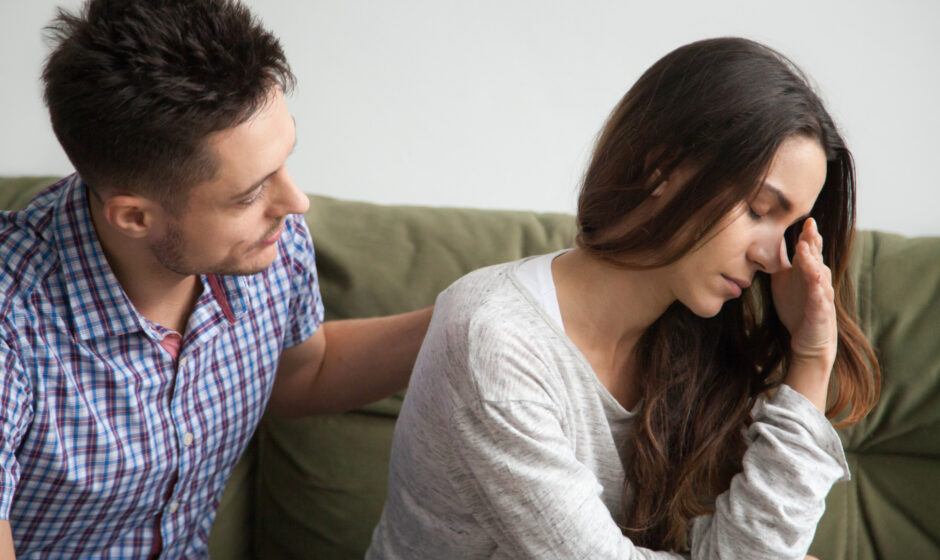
(490,302)
(492,339)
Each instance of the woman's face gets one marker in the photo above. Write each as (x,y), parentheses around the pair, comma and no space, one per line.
(751,239)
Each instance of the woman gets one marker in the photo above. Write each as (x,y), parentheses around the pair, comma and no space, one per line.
(664,386)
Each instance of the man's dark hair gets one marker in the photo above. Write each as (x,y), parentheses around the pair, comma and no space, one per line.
(134,87)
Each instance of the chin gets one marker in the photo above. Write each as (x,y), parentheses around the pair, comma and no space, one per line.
(253,268)
(705,309)
(256,262)
(246,267)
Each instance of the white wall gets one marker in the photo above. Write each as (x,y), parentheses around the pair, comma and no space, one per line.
(495,103)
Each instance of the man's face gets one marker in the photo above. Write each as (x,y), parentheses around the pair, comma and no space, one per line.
(230,225)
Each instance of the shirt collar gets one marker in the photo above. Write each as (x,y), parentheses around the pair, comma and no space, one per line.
(98,303)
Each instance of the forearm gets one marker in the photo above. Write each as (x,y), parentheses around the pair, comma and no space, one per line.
(363,360)
(6,541)
(810,378)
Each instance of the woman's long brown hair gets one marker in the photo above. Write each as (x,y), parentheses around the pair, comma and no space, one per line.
(721,107)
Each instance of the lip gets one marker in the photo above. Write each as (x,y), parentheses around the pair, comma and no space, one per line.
(736,284)
(273,239)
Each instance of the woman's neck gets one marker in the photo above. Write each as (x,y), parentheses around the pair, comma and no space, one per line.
(605,311)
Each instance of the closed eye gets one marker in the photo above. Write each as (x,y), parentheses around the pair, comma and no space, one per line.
(256,196)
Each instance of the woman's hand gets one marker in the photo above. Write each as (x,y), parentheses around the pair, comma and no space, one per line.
(805,302)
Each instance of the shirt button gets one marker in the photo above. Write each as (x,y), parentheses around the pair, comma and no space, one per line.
(188,439)
(174,507)
(183,361)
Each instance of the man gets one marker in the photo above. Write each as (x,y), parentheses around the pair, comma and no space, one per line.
(154,303)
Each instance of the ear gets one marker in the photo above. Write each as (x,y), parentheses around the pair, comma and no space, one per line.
(655,179)
(661,184)
(132,215)
(668,186)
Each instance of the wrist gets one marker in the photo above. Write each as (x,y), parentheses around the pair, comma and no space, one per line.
(810,377)
(821,362)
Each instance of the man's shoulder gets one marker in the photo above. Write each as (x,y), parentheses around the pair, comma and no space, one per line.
(28,258)
(27,244)
(296,235)
(295,247)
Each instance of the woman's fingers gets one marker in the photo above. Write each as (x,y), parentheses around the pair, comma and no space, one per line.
(816,276)
(807,255)
(817,333)
(807,262)
(811,235)
(817,238)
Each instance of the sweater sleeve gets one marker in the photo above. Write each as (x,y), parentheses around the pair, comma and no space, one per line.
(514,468)
(773,506)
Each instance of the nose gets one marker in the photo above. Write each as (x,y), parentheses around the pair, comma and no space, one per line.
(287,198)
(770,253)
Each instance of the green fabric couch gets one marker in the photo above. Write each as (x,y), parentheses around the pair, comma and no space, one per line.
(314,487)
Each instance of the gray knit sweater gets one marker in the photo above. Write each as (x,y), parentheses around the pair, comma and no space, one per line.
(507,447)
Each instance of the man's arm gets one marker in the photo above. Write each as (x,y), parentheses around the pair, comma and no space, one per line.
(6,541)
(347,364)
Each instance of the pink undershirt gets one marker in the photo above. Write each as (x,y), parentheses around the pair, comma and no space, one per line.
(172,343)
(173,340)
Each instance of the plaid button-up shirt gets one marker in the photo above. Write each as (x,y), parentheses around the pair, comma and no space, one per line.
(115,433)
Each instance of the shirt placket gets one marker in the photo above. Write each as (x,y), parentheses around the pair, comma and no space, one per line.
(173,518)
(196,353)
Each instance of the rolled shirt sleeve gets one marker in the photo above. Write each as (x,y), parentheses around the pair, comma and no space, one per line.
(306,304)
(16,407)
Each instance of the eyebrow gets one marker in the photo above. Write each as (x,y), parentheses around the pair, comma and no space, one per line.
(781,198)
(254,186)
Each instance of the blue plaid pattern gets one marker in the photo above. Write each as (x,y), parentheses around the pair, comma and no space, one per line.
(108,444)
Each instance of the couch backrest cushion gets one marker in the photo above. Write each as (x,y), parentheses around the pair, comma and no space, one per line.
(16,192)
(889,508)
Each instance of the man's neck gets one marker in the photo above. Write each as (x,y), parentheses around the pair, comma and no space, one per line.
(161,295)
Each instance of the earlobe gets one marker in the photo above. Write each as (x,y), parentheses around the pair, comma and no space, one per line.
(656,180)
(669,185)
(660,189)
(129,214)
